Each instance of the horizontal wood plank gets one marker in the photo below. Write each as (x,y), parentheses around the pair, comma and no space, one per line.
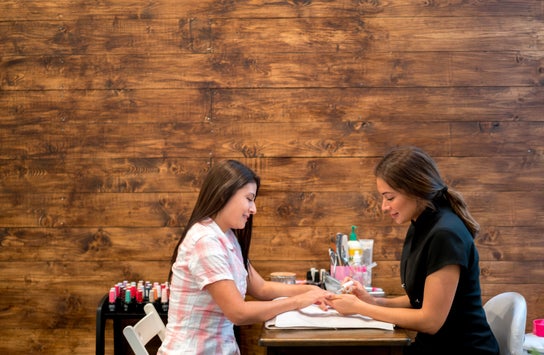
(93,35)
(143,9)
(111,175)
(51,341)
(143,175)
(252,140)
(268,243)
(393,69)
(122,107)
(127,107)
(374,35)
(392,105)
(496,138)
(285,209)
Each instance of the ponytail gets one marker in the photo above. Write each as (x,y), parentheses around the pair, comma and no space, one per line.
(459,206)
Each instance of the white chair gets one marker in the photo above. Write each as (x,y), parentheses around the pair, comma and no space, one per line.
(145,330)
(506,314)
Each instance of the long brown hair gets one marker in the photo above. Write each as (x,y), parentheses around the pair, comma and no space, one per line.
(220,184)
(413,172)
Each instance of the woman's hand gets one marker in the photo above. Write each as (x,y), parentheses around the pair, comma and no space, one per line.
(358,290)
(314,296)
(345,304)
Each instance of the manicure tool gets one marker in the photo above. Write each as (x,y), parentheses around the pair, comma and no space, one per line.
(344,287)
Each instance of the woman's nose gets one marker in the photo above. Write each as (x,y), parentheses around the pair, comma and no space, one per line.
(385,205)
(253,208)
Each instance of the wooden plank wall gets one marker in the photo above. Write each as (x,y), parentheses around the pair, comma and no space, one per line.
(112,111)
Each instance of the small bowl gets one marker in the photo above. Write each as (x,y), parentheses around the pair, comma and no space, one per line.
(538,327)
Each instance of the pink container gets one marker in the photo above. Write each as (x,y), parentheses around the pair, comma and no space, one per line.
(538,327)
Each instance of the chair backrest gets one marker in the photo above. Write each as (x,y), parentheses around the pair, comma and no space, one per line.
(506,314)
(145,330)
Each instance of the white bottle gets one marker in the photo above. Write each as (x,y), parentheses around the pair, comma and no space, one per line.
(358,268)
(353,244)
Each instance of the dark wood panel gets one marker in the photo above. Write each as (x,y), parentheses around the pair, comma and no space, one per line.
(300,243)
(269,243)
(378,104)
(65,294)
(252,140)
(103,175)
(498,138)
(112,140)
(143,9)
(88,244)
(341,209)
(327,139)
(370,35)
(285,209)
(111,112)
(467,174)
(392,69)
(122,107)
(60,341)
(390,105)
(101,209)
(56,276)
(222,139)
(91,35)
(494,172)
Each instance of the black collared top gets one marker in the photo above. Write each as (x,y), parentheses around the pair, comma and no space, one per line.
(436,239)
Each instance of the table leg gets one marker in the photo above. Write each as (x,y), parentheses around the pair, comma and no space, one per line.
(118,337)
(100,327)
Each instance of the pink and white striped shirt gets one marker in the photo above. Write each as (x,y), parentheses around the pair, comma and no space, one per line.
(196,325)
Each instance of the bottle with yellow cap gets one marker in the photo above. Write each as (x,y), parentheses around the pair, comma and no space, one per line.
(353,244)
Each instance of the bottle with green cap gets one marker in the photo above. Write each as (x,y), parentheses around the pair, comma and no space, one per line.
(353,244)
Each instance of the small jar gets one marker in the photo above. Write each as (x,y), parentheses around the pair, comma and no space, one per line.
(284,277)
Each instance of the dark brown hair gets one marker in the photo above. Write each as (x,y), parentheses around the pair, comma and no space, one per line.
(220,184)
(412,171)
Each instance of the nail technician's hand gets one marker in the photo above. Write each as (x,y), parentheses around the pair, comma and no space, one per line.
(359,290)
(343,303)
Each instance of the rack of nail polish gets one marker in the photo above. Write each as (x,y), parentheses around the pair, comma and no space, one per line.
(132,296)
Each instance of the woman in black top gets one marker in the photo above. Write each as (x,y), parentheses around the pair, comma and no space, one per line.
(439,263)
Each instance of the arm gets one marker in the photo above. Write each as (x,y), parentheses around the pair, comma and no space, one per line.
(393,302)
(440,288)
(269,290)
(242,312)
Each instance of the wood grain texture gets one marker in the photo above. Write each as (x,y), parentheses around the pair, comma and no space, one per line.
(111,113)
(282,70)
(18,10)
(93,35)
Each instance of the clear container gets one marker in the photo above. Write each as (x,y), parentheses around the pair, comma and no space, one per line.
(284,277)
(367,245)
